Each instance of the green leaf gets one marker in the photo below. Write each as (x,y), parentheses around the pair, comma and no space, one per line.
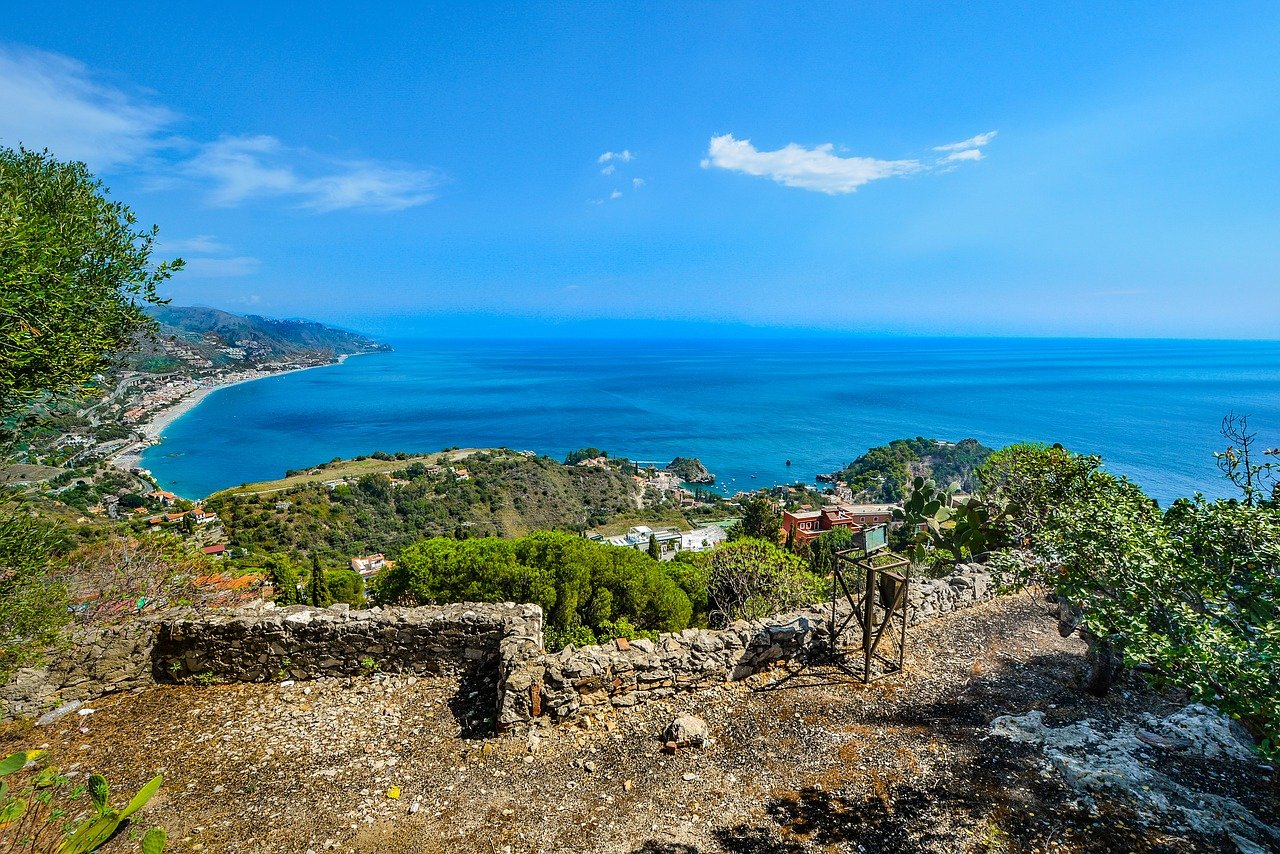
(154,840)
(99,793)
(144,794)
(12,810)
(17,761)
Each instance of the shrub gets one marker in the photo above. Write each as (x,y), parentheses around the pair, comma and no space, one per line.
(752,579)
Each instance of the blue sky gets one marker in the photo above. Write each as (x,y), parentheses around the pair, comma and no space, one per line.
(1006,169)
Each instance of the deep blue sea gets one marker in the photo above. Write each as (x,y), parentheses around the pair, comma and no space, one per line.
(1150,408)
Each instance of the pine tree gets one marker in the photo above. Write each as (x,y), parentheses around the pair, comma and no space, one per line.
(653,547)
(318,586)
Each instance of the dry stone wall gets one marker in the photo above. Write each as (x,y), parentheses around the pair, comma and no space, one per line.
(264,643)
(620,674)
(300,642)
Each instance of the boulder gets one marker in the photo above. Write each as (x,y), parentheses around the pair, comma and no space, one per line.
(687,731)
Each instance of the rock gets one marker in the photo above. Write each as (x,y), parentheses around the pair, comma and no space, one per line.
(687,731)
(64,709)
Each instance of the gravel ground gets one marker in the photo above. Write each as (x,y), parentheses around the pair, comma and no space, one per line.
(800,760)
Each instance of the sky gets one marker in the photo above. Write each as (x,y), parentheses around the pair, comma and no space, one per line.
(882,168)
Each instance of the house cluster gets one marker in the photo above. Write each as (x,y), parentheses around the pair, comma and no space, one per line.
(805,524)
(670,541)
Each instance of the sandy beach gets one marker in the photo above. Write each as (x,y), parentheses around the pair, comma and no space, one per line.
(153,429)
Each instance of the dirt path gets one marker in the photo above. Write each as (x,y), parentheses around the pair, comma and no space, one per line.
(801,761)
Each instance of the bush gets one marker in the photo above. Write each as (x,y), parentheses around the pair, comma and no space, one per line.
(753,579)
(1191,593)
(585,588)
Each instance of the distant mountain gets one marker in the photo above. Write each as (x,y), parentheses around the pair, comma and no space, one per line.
(201,337)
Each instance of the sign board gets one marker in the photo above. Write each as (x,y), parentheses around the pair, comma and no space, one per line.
(873,538)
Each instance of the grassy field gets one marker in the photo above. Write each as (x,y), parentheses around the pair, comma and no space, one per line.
(349,469)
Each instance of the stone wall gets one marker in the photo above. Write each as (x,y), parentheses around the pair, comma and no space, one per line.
(504,640)
(263,643)
(300,642)
(96,660)
(620,674)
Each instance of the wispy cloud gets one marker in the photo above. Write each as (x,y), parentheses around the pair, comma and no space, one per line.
(219,268)
(52,101)
(821,169)
(972,142)
(207,257)
(624,155)
(612,160)
(237,169)
(199,243)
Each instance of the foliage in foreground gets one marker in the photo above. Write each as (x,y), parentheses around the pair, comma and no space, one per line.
(77,273)
(1192,593)
(33,605)
(42,810)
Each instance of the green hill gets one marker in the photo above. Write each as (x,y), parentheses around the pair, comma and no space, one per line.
(194,335)
(389,502)
(882,473)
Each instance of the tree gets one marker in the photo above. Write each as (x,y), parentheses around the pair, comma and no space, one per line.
(318,585)
(759,521)
(653,547)
(284,579)
(76,272)
(752,579)
(1237,462)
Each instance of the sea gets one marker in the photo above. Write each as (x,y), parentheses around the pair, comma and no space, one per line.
(756,412)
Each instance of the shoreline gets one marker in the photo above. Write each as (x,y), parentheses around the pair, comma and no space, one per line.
(151,430)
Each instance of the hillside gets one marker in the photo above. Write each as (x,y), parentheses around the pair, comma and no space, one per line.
(349,507)
(209,338)
(882,473)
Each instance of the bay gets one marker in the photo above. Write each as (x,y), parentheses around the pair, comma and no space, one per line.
(744,407)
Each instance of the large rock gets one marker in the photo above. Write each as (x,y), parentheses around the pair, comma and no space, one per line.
(687,731)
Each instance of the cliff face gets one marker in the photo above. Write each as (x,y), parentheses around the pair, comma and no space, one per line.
(690,470)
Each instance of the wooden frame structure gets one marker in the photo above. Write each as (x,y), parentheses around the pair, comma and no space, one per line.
(877,605)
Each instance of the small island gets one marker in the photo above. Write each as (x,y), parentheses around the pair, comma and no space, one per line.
(690,470)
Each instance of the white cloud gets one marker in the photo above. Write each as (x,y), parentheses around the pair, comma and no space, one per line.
(637,182)
(240,168)
(608,170)
(972,142)
(822,170)
(624,155)
(218,268)
(52,101)
(817,168)
(616,194)
(199,243)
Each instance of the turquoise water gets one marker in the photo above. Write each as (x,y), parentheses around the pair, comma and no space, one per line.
(1150,408)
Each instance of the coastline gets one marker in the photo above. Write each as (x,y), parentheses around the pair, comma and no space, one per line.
(152,430)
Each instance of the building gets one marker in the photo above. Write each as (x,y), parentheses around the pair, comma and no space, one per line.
(371,564)
(669,540)
(203,517)
(702,539)
(806,525)
(166,499)
(220,550)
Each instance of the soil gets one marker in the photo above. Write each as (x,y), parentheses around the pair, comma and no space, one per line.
(802,759)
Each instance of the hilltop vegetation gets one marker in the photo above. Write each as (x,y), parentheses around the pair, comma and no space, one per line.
(191,335)
(883,473)
(484,493)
